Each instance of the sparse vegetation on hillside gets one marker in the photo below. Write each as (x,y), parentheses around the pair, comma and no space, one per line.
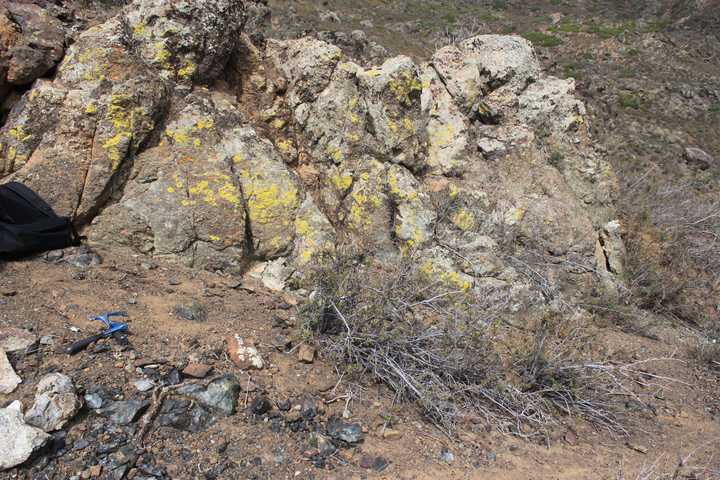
(541,39)
(452,353)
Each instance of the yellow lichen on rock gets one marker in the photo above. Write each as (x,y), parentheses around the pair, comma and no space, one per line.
(202,189)
(464,220)
(405,87)
(162,55)
(441,136)
(188,70)
(341,181)
(230,194)
(284,145)
(439,272)
(266,201)
(18,132)
(113,145)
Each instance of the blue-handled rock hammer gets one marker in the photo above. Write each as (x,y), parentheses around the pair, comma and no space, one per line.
(112,328)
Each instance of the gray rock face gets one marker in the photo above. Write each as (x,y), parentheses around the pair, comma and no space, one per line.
(56,402)
(191,40)
(124,412)
(9,380)
(220,395)
(19,439)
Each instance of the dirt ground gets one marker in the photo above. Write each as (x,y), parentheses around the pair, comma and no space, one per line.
(52,299)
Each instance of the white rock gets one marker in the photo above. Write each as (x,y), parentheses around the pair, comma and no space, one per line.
(504,59)
(552,101)
(19,440)
(9,380)
(55,403)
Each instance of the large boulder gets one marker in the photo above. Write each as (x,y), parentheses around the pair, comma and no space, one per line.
(72,140)
(109,94)
(31,44)
(212,193)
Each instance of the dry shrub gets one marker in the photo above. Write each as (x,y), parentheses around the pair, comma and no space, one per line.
(452,352)
(673,243)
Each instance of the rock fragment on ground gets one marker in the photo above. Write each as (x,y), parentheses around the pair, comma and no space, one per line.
(16,340)
(124,412)
(195,312)
(143,384)
(306,353)
(19,440)
(197,370)
(56,403)
(376,463)
(699,158)
(243,353)
(220,395)
(345,432)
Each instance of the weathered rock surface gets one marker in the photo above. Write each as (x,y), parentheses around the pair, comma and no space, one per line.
(314,150)
(16,340)
(56,403)
(31,43)
(9,380)
(19,439)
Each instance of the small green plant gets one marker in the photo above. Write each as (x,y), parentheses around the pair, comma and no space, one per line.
(656,26)
(715,108)
(556,159)
(630,100)
(500,4)
(542,39)
(566,27)
(571,71)
(609,31)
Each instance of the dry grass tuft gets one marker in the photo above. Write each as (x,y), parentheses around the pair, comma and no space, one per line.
(453,354)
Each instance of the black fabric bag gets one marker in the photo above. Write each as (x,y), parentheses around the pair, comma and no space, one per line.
(28,225)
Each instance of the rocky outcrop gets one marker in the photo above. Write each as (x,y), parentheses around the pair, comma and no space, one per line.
(197,142)
(31,44)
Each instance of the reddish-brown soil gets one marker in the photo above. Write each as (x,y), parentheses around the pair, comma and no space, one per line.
(52,298)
